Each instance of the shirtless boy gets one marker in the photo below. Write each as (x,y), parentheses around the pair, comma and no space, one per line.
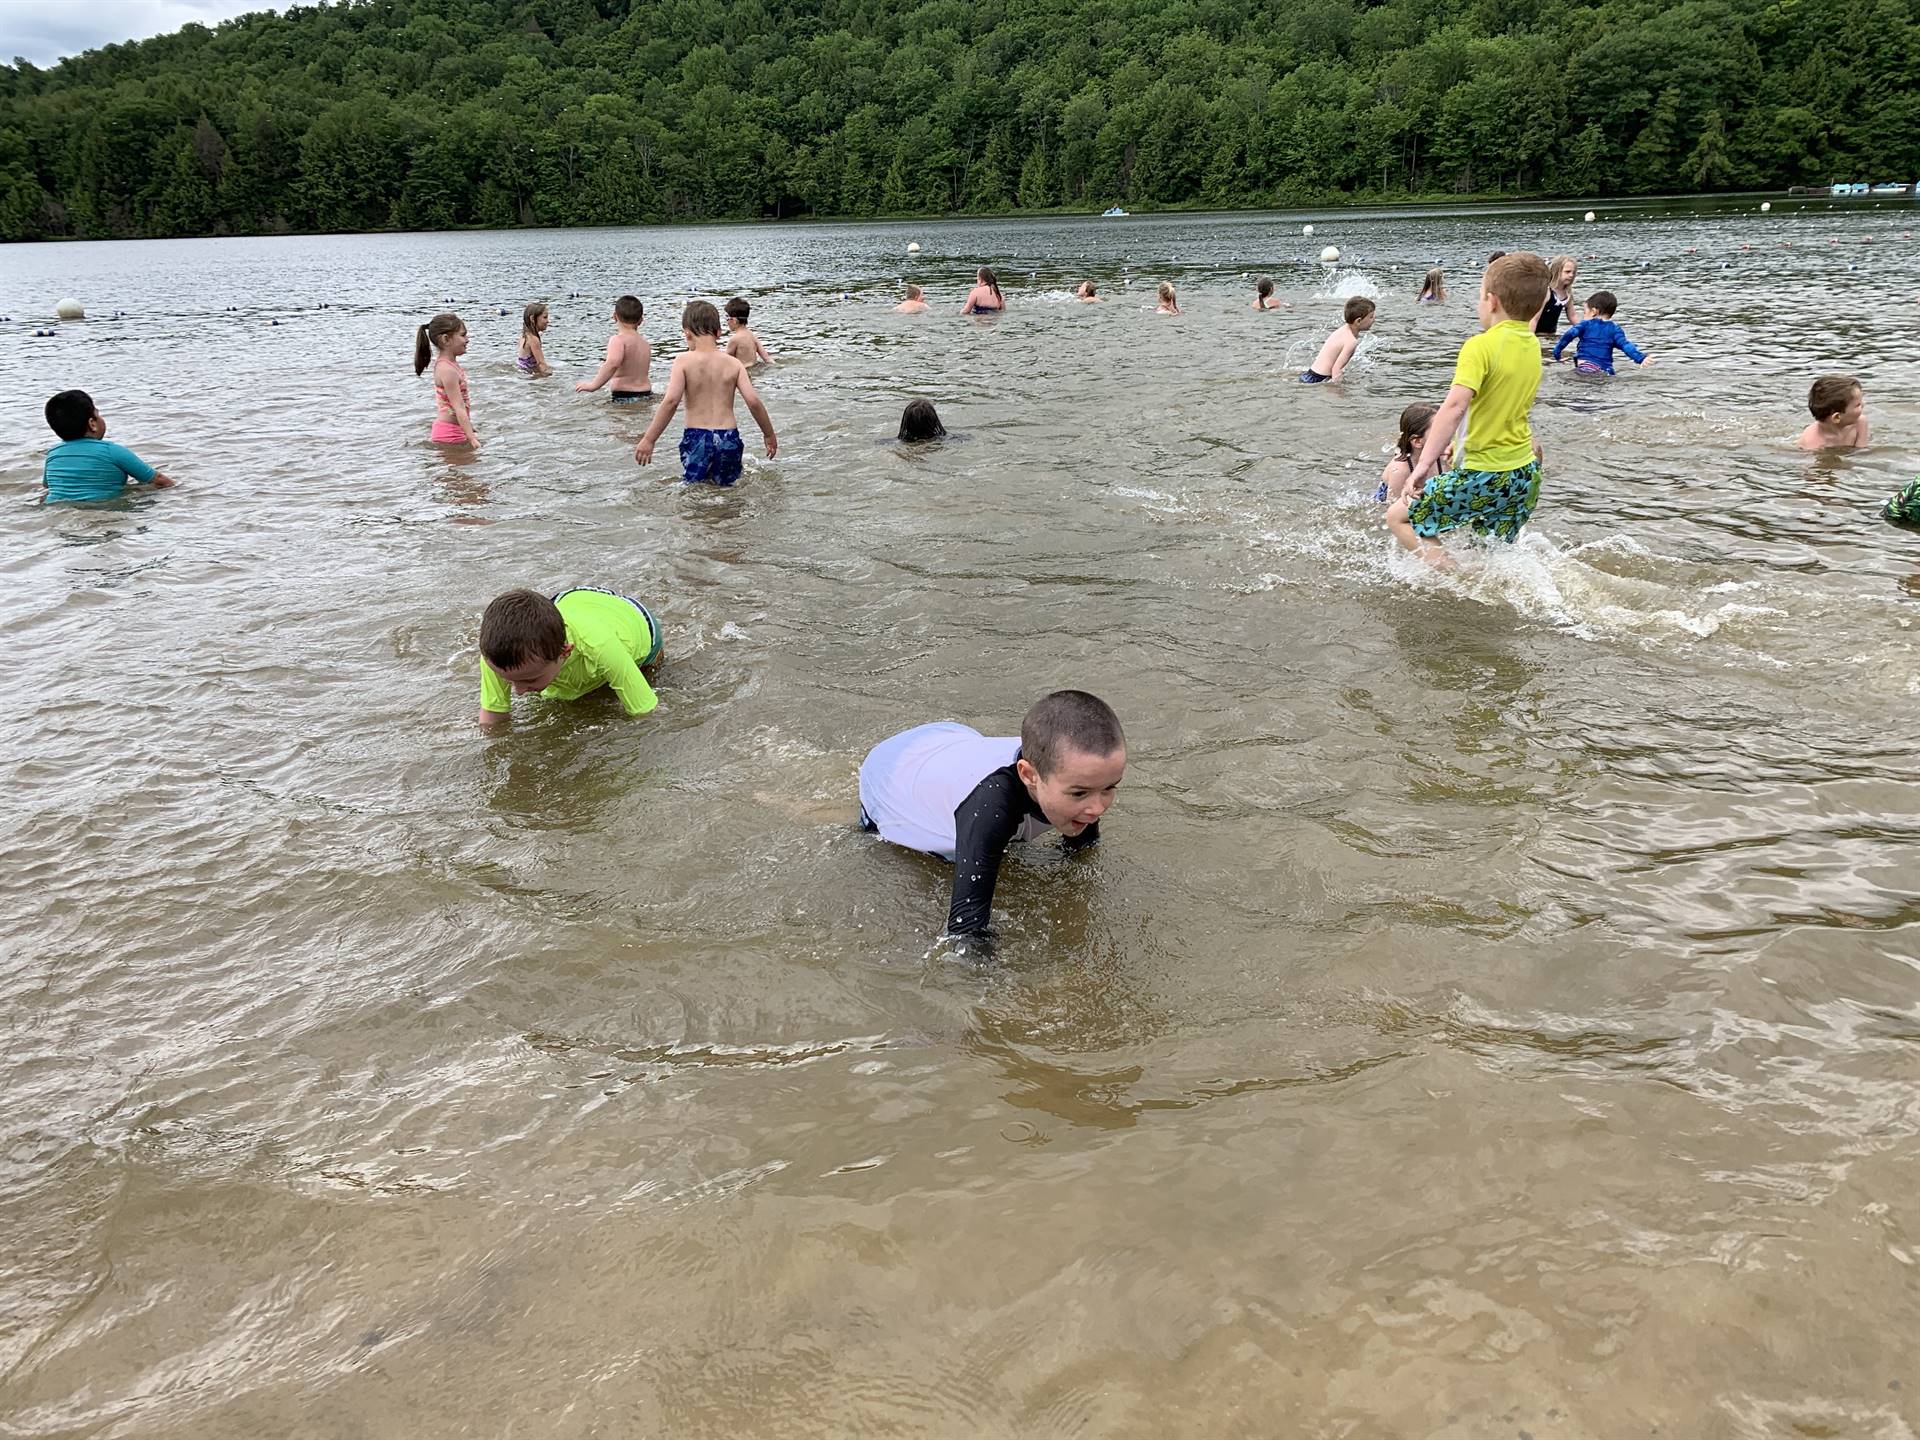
(1332,360)
(1839,409)
(914,304)
(707,379)
(743,345)
(629,362)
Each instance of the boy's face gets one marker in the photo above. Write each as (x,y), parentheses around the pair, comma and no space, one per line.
(735,322)
(1365,322)
(97,425)
(1849,417)
(530,677)
(1078,791)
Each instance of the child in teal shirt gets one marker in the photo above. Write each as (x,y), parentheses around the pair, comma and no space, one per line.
(84,465)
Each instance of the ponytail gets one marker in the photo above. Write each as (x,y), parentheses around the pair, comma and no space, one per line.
(422,352)
(1415,421)
(428,337)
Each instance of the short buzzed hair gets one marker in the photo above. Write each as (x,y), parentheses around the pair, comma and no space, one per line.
(1358,308)
(700,318)
(520,626)
(739,309)
(1520,283)
(69,413)
(1830,395)
(629,310)
(1068,720)
(1603,303)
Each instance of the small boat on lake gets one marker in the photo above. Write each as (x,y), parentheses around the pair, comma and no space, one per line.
(1113,212)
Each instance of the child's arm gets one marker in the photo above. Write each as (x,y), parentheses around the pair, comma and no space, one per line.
(135,469)
(539,353)
(762,351)
(496,701)
(670,402)
(607,368)
(1348,344)
(1440,435)
(1571,333)
(1395,477)
(757,408)
(1627,348)
(456,403)
(625,679)
(1859,435)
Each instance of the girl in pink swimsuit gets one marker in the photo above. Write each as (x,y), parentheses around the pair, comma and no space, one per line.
(443,339)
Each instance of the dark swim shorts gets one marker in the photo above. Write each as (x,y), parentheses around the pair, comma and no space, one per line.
(1496,502)
(711,456)
(1313,377)
(627,397)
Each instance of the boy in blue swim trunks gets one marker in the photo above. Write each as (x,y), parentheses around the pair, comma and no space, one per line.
(567,646)
(85,465)
(707,378)
(1497,482)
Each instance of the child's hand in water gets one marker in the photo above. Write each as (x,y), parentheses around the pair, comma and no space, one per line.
(773,445)
(164,482)
(643,453)
(583,385)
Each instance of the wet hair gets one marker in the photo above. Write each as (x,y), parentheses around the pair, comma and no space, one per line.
(1263,287)
(530,317)
(1068,720)
(1519,283)
(1166,293)
(428,337)
(1358,308)
(1414,422)
(1603,303)
(700,318)
(992,282)
(69,413)
(1557,264)
(1496,255)
(914,292)
(920,421)
(628,310)
(1089,289)
(738,309)
(1830,395)
(1435,284)
(521,626)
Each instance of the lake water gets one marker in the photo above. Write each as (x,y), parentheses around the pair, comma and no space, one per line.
(1493,1012)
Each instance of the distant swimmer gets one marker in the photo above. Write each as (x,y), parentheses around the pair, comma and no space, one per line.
(950,791)
(985,297)
(1433,289)
(1598,337)
(629,362)
(85,465)
(1496,483)
(1089,294)
(1415,421)
(914,304)
(1263,297)
(532,359)
(742,344)
(443,339)
(1169,301)
(1839,408)
(920,421)
(1331,363)
(567,646)
(707,379)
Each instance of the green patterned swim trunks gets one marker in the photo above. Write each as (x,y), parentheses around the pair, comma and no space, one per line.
(1904,507)
(1495,502)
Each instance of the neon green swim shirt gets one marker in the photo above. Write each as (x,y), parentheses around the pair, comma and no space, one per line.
(612,637)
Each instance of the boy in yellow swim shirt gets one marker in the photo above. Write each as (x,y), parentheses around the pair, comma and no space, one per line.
(566,647)
(1497,482)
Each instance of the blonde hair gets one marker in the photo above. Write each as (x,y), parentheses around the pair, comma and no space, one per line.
(1435,285)
(1166,293)
(1554,267)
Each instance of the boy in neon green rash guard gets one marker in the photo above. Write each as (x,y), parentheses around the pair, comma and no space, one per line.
(566,647)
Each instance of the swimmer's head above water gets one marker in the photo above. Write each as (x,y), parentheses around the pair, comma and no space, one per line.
(920,421)
(1072,755)
(524,640)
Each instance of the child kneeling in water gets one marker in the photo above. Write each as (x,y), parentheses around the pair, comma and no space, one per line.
(566,647)
(950,791)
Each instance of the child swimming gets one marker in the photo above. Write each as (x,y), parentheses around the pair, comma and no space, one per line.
(1088,293)
(985,297)
(914,304)
(85,465)
(629,362)
(1598,337)
(443,339)
(1414,422)
(566,647)
(1331,362)
(1839,409)
(1263,296)
(742,344)
(1433,290)
(920,421)
(947,790)
(532,359)
(1169,302)
(707,379)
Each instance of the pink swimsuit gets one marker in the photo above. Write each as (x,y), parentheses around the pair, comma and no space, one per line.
(445,432)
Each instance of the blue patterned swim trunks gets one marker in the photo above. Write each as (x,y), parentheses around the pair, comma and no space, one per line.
(711,456)
(1496,502)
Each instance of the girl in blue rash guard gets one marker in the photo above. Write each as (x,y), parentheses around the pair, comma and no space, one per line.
(950,791)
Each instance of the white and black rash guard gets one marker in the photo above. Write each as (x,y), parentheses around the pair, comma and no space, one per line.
(948,790)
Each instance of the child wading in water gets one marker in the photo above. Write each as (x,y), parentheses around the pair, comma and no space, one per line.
(1331,363)
(920,421)
(1598,337)
(443,340)
(1169,302)
(707,379)
(743,345)
(1839,409)
(1433,290)
(1414,423)
(532,359)
(629,362)
(985,297)
(1263,296)
(1497,484)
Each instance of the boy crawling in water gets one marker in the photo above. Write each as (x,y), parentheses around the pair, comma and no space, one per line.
(566,647)
(950,791)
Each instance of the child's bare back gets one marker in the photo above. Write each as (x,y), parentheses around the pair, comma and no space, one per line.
(706,379)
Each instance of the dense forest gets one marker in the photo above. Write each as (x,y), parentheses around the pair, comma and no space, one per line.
(424,114)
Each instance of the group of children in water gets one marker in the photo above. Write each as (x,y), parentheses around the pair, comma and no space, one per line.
(1470,462)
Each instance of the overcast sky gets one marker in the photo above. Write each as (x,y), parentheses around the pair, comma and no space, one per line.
(44,30)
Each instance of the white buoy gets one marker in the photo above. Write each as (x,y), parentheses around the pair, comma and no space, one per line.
(70,309)
(1329,255)
(1589,217)
(1306,229)
(913,247)
(1765,206)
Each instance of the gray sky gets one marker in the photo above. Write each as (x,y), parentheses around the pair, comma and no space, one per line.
(44,30)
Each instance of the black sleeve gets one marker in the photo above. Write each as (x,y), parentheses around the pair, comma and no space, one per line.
(983,826)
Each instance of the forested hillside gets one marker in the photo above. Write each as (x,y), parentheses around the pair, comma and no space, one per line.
(420,114)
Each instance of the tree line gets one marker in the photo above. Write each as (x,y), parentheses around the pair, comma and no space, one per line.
(430,114)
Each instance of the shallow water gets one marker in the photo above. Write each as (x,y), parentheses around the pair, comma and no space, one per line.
(1493,1011)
